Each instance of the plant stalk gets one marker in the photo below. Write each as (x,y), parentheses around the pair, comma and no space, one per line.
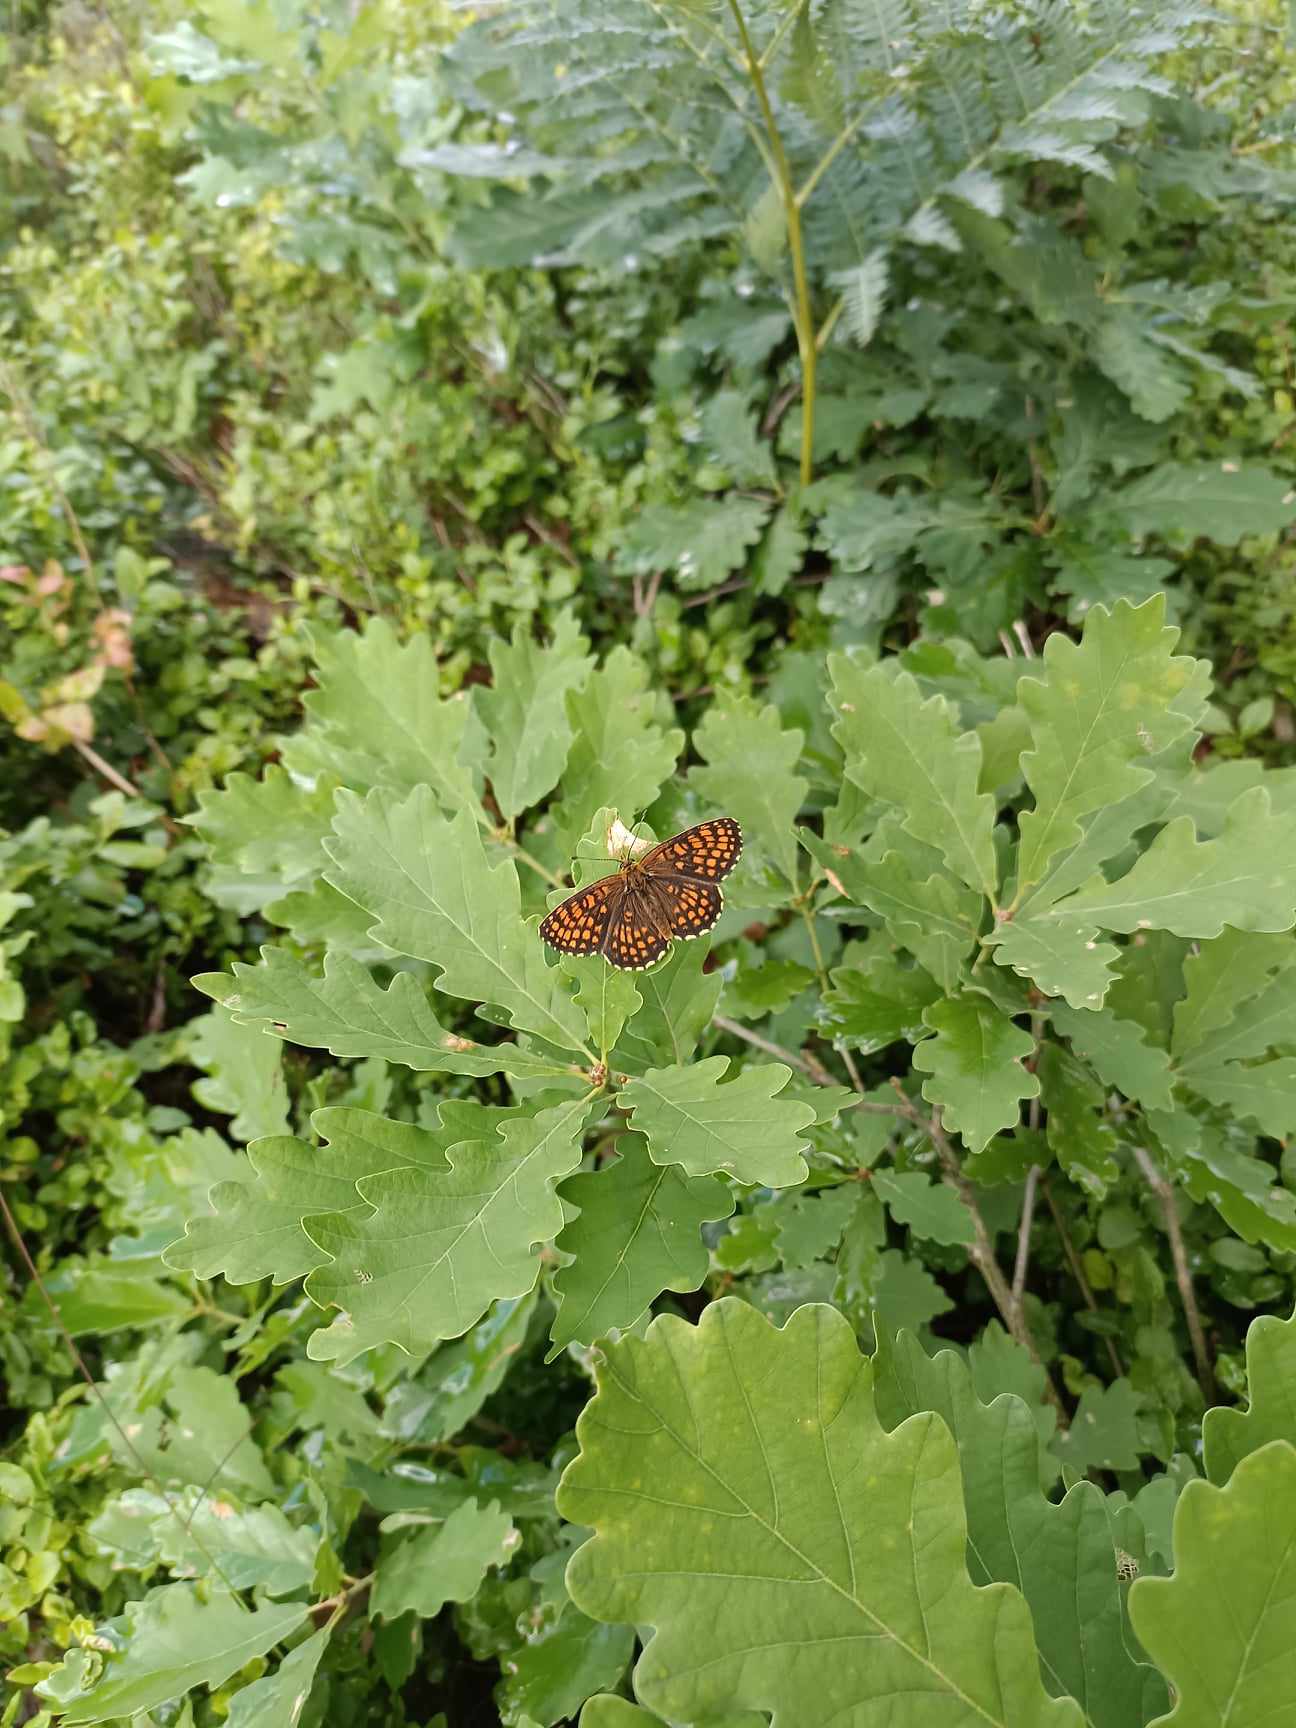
(1165,1193)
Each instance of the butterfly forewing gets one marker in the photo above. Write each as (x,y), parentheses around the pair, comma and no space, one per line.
(668,895)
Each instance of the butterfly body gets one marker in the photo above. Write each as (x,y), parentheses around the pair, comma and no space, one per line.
(671,894)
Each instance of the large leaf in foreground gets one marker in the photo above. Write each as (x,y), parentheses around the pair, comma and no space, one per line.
(812,1568)
(435,896)
(277,1700)
(348,1013)
(526,713)
(1223,1627)
(437,1248)
(1230,1435)
(691,1116)
(1246,878)
(446,1563)
(639,1232)
(175,1641)
(751,774)
(910,753)
(1061,1556)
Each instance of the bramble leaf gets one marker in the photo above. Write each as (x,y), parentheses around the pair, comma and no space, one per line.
(1229,1436)
(909,753)
(1220,1627)
(436,1248)
(174,1642)
(349,1014)
(444,1563)
(975,1064)
(689,1117)
(434,895)
(526,715)
(751,774)
(1246,878)
(639,1232)
(784,1538)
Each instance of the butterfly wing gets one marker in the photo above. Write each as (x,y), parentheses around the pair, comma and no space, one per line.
(687,908)
(579,925)
(639,933)
(706,853)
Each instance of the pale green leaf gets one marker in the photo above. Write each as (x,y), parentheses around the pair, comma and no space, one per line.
(1242,1189)
(436,1248)
(525,712)
(689,1117)
(931,1209)
(1104,1431)
(244,1075)
(975,1064)
(436,1403)
(1246,878)
(1219,501)
(761,1552)
(910,753)
(198,1530)
(434,895)
(750,774)
(174,1642)
(270,829)
(638,1232)
(1218,979)
(782,552)
(608,998)
(729,431)
(349,1014)
(1118,1050)
(560,1663)
(1061,1556)
(1061,958)
(700,543)
(812,1226)
(877,1002)
(377,719)
(1100,708)
(1260,1022)
(679,999)
(444,1563)
(203,1436)
(278,1700)
(624,745)
(1221,1628)
(1229,1436)
(1263,1093)
(1079,1135)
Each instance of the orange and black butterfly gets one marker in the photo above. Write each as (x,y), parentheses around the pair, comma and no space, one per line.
(668,895)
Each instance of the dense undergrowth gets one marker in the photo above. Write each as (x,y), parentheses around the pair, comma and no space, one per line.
(426,442)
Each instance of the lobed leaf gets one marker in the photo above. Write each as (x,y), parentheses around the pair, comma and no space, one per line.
(525,712)
(975,1063)
(1229,1436)
(689,1117)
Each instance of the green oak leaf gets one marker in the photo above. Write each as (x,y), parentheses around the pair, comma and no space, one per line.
(435,1248)
(812,1225)
(1214,1169)
(757,990)
(195,1531)
(747,1546)
(1262,1092)
(931,1209)
(376,717)
(1229,1436)
(525,712)
(1062,958)
(910,753)
(624,745)
(1101,707)
(1264,1019)
(1060,1555)
(1104,1431)
(1218,979)
(699,543)
(1218,501)
(638,1232)
(348,1013)
(877,1002)
(244,1075)
(750,774)
(277,1700)
(560,1663)
(1246,878)
(678,1000)
(447,1392)
(174,1641)
(1079,1135)
(256,1229)
(1220,1629)
(202,1435)
(1118,1050)
(443,1563)
(975,1064)
(434,895)
(689,1117)
(608,999)
(270,831)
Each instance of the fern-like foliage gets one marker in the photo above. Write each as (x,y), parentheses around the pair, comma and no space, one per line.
(644,128)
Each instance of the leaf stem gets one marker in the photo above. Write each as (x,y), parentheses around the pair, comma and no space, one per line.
(802,311)
(807,1063)
(1165,1193)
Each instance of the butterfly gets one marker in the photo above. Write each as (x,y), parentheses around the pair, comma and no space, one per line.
(669,894)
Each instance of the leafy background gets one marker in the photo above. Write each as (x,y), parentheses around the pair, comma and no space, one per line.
(426,441)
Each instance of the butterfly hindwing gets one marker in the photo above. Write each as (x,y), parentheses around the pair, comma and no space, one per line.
(635,937)
(690,908)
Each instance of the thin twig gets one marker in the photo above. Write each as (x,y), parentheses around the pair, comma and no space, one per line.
(106,769)
(807,1063)
(1165,1193)
(1023,1236)
(1078,1272)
